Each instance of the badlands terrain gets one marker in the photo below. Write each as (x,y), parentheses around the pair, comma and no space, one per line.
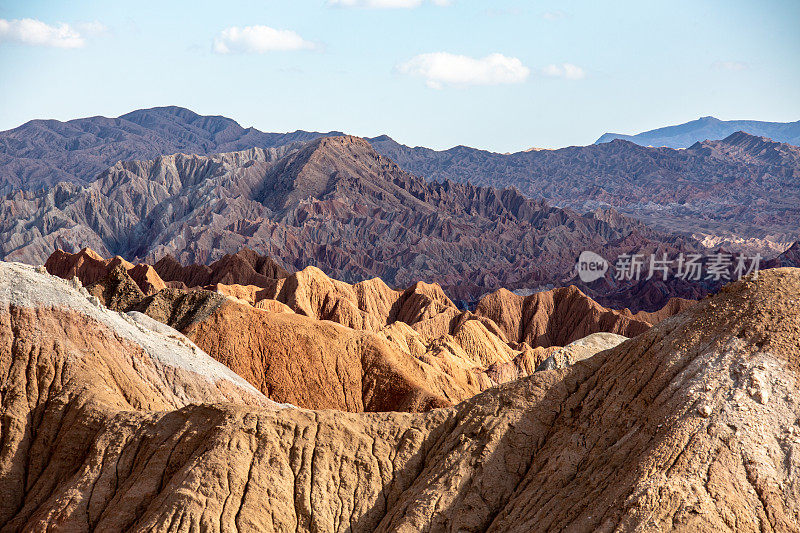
(741,189)
(205,327)
(320,343)
(730,188)
(336,204)
(112,420)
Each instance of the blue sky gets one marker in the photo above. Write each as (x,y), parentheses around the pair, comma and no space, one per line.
(501,75)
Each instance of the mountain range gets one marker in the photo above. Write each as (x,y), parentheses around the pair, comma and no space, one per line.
(333,203)
(705,128)
(294,332)
(41,153)
(740,192)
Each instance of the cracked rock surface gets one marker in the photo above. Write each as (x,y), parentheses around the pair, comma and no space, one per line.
(110,424)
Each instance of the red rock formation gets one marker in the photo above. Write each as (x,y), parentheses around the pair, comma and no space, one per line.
(245,267)
(548,318)
(90,267)
(555,318)
(320,365)
(316,363)
(674,306)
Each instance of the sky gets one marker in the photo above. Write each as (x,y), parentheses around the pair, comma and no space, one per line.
(502,75)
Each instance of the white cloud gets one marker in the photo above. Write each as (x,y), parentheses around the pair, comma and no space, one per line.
(258,39)
(386,4)
(554,15)
(564,70)
(735,66)
(442,68)
(37,33)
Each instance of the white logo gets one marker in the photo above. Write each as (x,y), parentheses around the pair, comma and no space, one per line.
(591,267)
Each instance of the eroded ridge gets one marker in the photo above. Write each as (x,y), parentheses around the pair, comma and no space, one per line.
(691,425)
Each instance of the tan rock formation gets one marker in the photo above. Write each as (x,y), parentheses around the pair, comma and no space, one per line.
(524,364)
(673,307)
(458,353)
(69,368)
(581,349)
(273,306)
(312,293)
(319,364)
(308,362)
(416,344)
(690,426)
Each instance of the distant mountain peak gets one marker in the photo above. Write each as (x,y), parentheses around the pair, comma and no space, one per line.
(704,128)
(166,116)
(740,137)
(163,110)
(751,148)
(338,146)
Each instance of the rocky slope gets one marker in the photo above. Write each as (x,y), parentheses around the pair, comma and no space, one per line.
(89,267)
(299,358)
(705,128)
(245,267)
(790,257)
(335,204)
(389,349)
(732,200)
(555,318)
(690,426)
(72,371)
(309,363)
(740,192)
(41,153)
